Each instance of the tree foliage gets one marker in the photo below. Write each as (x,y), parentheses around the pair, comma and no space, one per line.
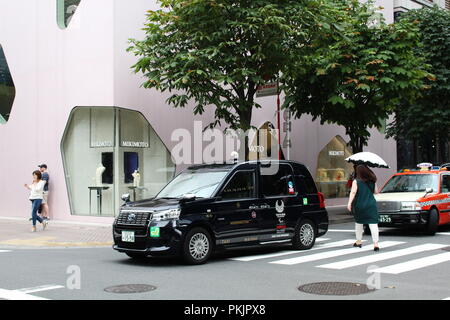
(364,77)
(217,52)
(429,117)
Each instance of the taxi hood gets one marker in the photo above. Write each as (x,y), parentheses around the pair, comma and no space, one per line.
(399,196)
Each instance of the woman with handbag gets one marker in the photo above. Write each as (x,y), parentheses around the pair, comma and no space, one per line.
(363,205)
(36,196)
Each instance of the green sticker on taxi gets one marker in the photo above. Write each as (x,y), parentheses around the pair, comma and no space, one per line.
(305,201)
(154,232)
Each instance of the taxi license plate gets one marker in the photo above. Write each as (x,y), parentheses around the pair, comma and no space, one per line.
(385,218)
(128,236)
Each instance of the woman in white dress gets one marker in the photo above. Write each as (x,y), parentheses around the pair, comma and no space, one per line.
(36,196)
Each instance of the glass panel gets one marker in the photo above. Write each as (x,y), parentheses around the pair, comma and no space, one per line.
(89,171)
(277,184)
(200,183)
(333,172)
(65,11)
(99,170)
(241,186)
(445,184)
(7,89)
(411,183)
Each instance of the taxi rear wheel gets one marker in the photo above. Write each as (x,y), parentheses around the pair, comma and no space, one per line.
(433,221)
(197,246)
(305,235)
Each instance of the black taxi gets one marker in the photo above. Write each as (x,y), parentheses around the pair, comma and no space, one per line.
(221,206)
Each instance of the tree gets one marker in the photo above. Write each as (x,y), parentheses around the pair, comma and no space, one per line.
(428,119)
(369,72)
(217,52)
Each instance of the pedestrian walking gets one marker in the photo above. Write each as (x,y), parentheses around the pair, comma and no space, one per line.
(46,178)
(363,205)
(36,196)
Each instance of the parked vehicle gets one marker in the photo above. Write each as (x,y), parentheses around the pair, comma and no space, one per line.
(221,206)
(416,197)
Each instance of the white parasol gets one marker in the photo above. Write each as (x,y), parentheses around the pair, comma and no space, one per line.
(367,158)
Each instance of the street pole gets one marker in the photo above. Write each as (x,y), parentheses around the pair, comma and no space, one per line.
(278,119)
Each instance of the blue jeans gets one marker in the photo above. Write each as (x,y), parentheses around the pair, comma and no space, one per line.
(35,204)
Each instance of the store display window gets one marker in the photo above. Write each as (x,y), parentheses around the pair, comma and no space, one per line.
(109,151)
(7,89)
(65,11)
(333,172)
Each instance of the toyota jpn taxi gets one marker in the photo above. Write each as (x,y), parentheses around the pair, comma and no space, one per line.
(418,197)
(221,206)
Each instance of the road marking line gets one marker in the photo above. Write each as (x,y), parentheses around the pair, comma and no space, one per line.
(284,253)
(337,230)
(414,264)
(443,233)
(332,254)
(322,239)
(5,251)
(446,298)
(17,295)
(40,288)
(381,256)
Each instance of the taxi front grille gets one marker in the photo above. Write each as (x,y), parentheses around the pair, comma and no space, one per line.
(388,206)
(133,218)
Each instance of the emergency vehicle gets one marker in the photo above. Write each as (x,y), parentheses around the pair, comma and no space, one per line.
(419,197)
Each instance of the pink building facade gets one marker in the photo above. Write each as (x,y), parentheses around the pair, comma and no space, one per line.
(78,107)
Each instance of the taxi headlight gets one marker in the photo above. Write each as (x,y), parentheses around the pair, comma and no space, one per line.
(166,215)
(411,206)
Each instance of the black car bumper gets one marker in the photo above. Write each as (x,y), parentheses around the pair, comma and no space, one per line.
(167,243)
(407,218)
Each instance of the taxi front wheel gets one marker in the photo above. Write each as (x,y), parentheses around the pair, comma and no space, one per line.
(197,246)
(433,220)
(305,235)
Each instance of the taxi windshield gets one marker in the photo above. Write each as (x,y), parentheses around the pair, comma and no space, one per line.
(201,183)
(411,183)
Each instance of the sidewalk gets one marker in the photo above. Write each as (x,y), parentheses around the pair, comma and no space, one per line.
(17,233)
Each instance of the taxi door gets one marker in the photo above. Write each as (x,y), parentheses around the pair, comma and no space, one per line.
(277,204)
(444,208)
(233,221)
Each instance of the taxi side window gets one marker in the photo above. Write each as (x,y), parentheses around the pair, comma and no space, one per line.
(278,183)
(446,183)
(241,185)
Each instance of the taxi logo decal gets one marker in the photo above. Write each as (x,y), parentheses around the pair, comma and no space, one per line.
(279,207)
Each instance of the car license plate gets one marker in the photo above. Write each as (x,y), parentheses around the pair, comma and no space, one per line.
(128,236)
(385,218)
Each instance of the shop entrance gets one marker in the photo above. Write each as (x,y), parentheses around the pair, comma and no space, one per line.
(110,151)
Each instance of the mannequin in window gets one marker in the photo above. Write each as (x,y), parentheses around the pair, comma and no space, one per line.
(98,175)
(136,178)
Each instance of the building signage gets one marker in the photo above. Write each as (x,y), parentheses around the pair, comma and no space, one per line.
(135,144)
(102,144)
(336,153)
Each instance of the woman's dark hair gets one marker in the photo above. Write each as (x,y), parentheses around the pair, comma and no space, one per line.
(38,174)
(365,174)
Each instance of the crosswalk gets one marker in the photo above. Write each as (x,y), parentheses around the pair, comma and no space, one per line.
(345,256)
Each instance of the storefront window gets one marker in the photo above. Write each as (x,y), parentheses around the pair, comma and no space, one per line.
(7,89)
(65,11)
(108,152)
(333,171)
(263,145)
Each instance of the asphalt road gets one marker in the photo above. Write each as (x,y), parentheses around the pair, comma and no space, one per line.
(410,266)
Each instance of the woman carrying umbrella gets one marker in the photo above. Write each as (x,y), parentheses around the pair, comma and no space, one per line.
(363,205)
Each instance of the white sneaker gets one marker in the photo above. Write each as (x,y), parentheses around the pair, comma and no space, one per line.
(44,224)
